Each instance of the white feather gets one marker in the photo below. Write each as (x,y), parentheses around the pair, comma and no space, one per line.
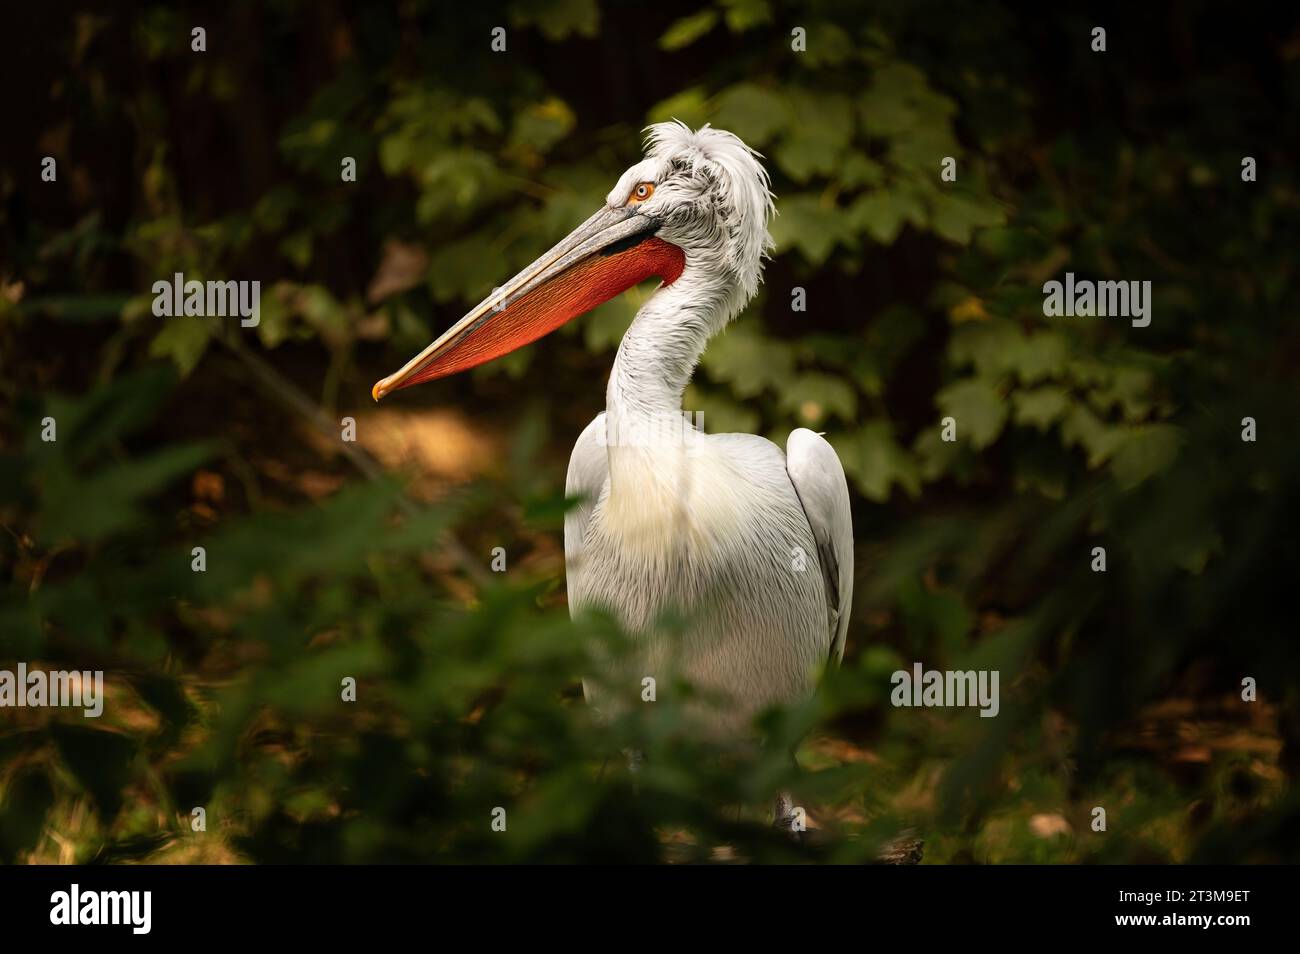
(709,526)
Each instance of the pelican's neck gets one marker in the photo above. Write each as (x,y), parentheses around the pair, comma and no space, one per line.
(658,354)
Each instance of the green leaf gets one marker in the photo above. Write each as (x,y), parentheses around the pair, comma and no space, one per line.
(1194,545)
(939,618)
(994,347)
(541,125)
(558,19)
(275,322)
(744,359)
(456,182)
(810,225)
(819,130)
(1041,407)
(718,413)
(1100,441)
(857,170)
(752,112)
(465,271)
(1044,470)
(92,508)
(296,247)
(875,462)
(955,216)
(1041,355)
(980,411)
(603,329)
(882,214)
(1130,388)
(812,396)
(688,29)
(936,458)
(321,310)
(92,422)
(828,45)
(744,15)
(1147,450)
(690,106)
(183,340)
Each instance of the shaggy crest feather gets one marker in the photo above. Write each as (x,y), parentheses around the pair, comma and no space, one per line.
(742,189)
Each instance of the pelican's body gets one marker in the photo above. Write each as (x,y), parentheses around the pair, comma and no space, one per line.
(718,535)
(710,529)
(749,545)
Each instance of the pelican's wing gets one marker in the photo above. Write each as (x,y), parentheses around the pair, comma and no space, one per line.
(818,478)
(588,470)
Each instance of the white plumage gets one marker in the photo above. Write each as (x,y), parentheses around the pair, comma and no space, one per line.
(753,547)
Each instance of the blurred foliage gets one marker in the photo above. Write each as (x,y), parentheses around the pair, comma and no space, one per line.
(924,297)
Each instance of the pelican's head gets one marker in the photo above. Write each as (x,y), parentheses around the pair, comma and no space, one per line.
(699,200)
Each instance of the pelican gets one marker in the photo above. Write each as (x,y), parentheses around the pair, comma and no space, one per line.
(751,546)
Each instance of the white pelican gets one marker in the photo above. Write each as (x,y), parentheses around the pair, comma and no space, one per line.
(753,547)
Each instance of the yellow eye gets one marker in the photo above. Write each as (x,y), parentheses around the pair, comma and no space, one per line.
(642,192)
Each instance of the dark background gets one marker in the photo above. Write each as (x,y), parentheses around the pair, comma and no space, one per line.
(1120,689)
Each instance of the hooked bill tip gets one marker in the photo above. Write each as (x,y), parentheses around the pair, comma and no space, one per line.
(378,390)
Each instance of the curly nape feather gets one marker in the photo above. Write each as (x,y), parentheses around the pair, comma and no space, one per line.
(743,190)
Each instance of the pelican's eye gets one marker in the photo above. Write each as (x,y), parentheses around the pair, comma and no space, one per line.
(642,192)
